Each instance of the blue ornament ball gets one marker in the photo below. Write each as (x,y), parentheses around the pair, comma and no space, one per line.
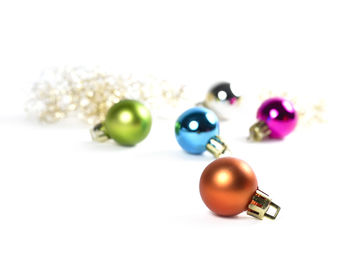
(195,127)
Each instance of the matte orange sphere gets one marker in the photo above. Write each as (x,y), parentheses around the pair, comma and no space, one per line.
(227,186)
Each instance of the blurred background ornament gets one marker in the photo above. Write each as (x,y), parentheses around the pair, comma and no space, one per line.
(197,130)
(127,122)
(228,186)
(222,100)
(276,119)
(89,93)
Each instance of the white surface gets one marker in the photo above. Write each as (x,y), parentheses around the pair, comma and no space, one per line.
(60,193)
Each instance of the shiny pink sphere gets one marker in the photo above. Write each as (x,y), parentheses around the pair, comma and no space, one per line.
(279,115)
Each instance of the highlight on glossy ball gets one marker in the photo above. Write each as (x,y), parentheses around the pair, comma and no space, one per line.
(128,122)
(279,115)
(227,186)
(222,100)
(194,128)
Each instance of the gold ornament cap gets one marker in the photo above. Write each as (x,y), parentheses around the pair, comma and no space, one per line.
(260,205)
(217,147)
(259,131)
(98,133)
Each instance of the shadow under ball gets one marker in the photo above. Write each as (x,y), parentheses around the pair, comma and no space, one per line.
(128,122)
(227,186)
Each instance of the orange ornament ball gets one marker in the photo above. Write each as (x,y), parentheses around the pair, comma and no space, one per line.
(227,186)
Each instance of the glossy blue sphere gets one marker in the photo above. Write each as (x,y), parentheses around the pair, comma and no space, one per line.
(195,127)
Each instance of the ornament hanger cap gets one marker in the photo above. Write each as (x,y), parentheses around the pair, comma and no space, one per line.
(259,131)
(98,133)
(260,205)
(217,147)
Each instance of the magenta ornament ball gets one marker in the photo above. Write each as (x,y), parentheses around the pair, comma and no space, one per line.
(279,115)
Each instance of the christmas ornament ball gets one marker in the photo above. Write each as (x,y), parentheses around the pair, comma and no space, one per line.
(279,115)
(194,128)
(128,122)
(227,186)
(222,100)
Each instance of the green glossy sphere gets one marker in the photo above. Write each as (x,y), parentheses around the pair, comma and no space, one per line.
(128,122)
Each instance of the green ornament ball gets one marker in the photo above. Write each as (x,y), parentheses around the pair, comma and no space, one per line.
(128,122)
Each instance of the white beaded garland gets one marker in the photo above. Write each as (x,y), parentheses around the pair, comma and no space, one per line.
(89,93)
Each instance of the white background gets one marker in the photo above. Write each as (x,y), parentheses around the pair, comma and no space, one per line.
(61,193)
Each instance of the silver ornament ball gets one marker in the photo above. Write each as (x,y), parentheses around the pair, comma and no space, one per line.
(221,99)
